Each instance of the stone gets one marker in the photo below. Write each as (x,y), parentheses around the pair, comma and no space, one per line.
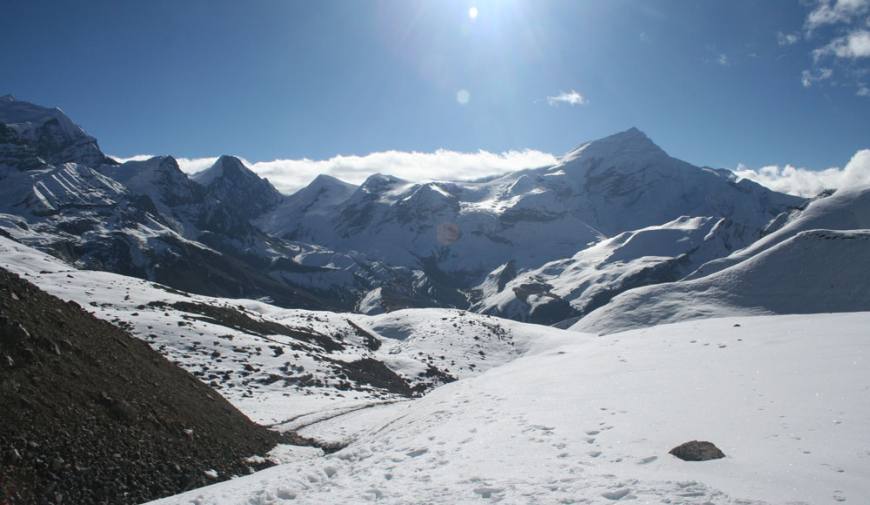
(697,450)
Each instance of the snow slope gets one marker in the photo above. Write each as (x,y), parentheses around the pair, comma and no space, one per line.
(574,286)
(845,209)
(810,272)
(278,364)
(591,420)
(317,202)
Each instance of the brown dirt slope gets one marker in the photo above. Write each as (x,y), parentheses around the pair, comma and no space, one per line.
(91,415)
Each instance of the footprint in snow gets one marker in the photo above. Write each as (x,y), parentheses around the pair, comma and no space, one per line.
(487,492)
(647,460)
(617,494)
(285,494)
(542,427)
(374,494)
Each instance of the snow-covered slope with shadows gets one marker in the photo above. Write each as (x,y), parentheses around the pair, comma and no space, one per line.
(846,209)
(317,202)
(464,230)
(811,272)
(572,287)
(591,420)
(287,366)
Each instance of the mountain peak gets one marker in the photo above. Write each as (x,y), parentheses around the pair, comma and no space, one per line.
(325,182)
(51,132)
(379,180)
(233,183)
(326,179)
(226,166)
(631,143)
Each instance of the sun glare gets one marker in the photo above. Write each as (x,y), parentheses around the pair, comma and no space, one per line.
(472,13)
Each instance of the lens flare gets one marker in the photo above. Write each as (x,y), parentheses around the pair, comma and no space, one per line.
(463,96)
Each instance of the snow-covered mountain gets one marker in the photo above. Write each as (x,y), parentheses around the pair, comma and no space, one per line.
(572,287)
(818,260)
(541,245)
(466,229)
(845,209)
(41,135)
(229,181)
(811,272)
(476,236)
(318,203)
(150,220)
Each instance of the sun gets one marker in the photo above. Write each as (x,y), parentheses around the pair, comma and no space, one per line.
(472,13)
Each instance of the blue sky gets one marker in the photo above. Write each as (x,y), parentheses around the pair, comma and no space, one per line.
(715,83)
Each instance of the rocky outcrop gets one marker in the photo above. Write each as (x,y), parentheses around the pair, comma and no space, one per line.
(92,415)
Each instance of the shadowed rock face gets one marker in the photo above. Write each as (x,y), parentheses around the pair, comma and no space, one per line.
(697,451)
(91,415)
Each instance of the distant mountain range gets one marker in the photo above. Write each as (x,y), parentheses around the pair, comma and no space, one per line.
(545,245)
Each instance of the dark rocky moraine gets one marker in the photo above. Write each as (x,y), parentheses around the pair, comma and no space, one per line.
(91,415)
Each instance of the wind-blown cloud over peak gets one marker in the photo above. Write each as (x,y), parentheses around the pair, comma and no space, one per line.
(806,182)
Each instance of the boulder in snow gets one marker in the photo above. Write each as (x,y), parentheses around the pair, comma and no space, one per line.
(697,451)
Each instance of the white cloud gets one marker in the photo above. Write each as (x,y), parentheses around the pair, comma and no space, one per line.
(187,165)
(841,26)
(806,182)
(194,165)
(836,12)
(863,91)
(291,175)
(137,157)
(722,60)
(853,45)
(572,98)
(808,77)
(787,39)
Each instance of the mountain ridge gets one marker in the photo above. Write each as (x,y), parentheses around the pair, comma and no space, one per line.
(383,245)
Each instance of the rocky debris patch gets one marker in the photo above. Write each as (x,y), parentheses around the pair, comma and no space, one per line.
(91,415)
(239,320)
(697,451)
